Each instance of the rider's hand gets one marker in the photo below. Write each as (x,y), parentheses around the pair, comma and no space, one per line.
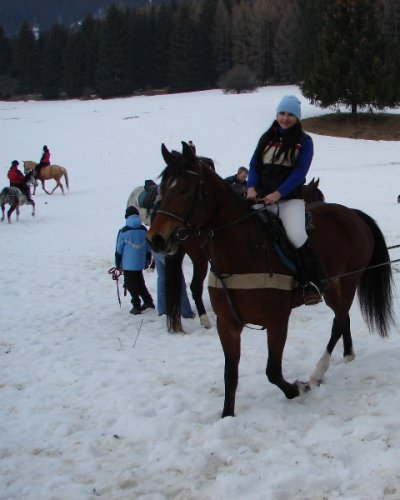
(272,198)
(251,193)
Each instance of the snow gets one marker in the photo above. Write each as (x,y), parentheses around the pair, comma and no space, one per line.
(96,402)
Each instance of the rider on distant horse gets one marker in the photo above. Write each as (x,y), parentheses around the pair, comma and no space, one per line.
(44,161)
(19,180)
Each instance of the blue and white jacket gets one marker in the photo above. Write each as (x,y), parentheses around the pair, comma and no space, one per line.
(132,251)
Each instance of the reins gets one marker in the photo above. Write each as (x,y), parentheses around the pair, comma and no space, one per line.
(115,274)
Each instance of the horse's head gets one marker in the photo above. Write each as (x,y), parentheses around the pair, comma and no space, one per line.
(30,178)
(185,206)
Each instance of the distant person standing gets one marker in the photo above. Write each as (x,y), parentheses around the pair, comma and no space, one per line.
(238,181)
(132,255)
(44,161)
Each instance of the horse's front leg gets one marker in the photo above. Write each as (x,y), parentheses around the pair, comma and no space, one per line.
(277,334)
(44,188)
(196,286)
(229,334)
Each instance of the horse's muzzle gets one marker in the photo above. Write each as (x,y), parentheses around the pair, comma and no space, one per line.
(160,245)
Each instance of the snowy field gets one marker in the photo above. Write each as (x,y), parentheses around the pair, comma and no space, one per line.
(96,402)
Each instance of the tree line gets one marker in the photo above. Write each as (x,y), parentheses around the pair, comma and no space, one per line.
(339,51)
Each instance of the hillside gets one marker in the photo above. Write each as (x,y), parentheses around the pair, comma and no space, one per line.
(44,13)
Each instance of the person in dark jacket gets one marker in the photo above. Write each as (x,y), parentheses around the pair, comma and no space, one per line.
(132,255)
(44,161)
(19,180)
(278,170)
(238,181)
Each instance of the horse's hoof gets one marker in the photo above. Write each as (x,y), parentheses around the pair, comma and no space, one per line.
(204,321)
(303,387)
(349,357)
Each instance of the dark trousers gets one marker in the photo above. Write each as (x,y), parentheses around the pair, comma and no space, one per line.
(134,283)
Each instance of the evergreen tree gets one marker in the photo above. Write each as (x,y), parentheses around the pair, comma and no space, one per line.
(311,15)
(222,40)
(353,63)
(53,62)
(25,66)
(5,53)
(74,64)
(286,43)
(242,34)
(267,15)
(113,76)
(182,71)
(141,39)
(161,44)
(205,41)
(90,29)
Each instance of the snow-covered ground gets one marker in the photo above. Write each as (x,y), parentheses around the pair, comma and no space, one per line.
(96,402)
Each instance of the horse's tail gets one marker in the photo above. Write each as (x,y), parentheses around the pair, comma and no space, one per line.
(66,176)
(173,285)
(375,287)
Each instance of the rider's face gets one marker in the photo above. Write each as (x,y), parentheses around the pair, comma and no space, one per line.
(286,120)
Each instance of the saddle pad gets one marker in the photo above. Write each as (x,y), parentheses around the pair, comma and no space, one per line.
(253,281)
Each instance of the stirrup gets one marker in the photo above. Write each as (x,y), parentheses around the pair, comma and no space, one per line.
(311,294)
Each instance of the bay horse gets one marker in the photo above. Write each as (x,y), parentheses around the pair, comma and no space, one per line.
(15,198)
(249,283)
(46,173)
(173,263)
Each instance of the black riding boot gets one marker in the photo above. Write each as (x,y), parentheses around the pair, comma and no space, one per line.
(310,275)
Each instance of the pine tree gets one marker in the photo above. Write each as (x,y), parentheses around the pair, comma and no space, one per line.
(113,76)
(53,62)
(161,43)
(222,42)
(182,68)
(353,64)
(5,53)
(205,40)
(286,43)
(25,65)
(74,64)
(90,29)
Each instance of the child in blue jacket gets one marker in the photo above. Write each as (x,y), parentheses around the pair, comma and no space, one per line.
(132,255)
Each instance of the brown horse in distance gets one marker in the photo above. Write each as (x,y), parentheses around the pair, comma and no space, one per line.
(250,284)
(50,172)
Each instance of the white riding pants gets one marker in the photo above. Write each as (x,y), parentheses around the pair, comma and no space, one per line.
(293,216)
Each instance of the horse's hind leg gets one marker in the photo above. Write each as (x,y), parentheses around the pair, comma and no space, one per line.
(340,328)
(33,207)
(58,184)
(10,211)
(3,209)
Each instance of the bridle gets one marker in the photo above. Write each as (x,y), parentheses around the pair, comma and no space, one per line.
(183,233)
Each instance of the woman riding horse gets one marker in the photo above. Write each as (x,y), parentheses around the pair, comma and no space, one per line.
(250,283)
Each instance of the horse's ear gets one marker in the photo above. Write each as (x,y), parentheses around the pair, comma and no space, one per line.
(187,151)
(316,184)
(166,154)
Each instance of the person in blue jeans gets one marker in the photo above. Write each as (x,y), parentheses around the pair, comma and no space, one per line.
(186,308)
(159,259)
